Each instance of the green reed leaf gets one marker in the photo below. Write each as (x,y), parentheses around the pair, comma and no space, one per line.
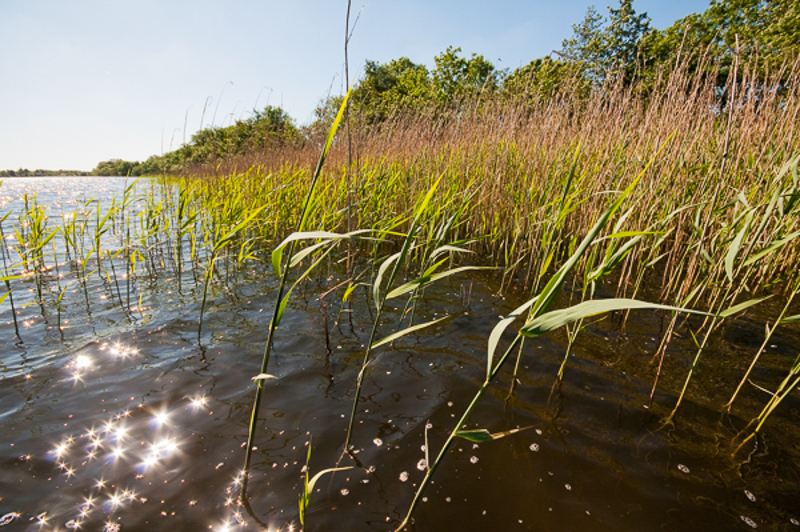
(741,306)
(426,280)
(407,330)
(556,319)
(790,319)
(497,332)
(736,245)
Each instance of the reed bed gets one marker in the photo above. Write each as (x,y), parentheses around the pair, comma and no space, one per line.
(679,186)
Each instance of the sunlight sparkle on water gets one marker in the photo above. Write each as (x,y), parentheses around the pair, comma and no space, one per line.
(198,401)
(161,418)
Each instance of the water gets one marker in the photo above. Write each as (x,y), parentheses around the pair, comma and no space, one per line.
(125,421)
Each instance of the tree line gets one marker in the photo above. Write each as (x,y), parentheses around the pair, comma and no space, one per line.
(620,47)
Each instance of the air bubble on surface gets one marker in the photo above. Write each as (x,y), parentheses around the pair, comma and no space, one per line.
(8,518)
(749,522)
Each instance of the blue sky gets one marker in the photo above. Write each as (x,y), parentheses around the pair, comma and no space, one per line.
(90,80)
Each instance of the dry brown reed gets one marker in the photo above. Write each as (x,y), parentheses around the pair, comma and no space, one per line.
(517,150)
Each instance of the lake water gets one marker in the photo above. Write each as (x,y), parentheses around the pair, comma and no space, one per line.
(121,421)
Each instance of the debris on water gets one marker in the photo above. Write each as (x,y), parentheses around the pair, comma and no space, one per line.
(683,468)
(749,522)
(8,518)
(750,496)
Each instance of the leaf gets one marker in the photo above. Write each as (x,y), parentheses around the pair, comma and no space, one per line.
(735,246)
(426,280)
(448,248)
(556,319)
(483,435)
(772,247)
(407,330)
(790,319)
(264,377)
(376,285)
(497,332)
(300,255)
(309,489)
(3,297)
(348,291)
(741,306)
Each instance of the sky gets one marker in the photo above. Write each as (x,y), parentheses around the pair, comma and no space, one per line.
(85,81)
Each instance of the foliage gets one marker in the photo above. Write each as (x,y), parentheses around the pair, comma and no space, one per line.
(24,172)
(766,30)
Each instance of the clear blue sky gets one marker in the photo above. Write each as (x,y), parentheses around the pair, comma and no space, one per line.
(89,80)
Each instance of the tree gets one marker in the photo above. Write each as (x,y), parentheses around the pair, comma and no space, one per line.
(585,47)
(456,77)
(543,78)
(613,47)
(622,38)
(768,32)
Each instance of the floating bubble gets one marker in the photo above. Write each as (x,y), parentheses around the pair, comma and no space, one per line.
(534,447)
(8,518)
(422,465)
(749,522)
(72,524)
(683,468)
(568,487)
(404,476)
(474,460)
(378,442)
(794,521)
(345,492)
(750,496)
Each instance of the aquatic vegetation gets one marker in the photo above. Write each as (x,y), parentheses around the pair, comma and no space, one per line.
(577,211)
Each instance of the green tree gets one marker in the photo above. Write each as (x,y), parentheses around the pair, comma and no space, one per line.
(457,78)
(768,33)
(613,47)
(622,38)
(385,88)
(543,78)
(586,46)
